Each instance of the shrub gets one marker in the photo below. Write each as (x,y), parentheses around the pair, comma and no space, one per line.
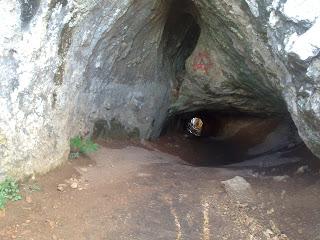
(80,145)
(9,191)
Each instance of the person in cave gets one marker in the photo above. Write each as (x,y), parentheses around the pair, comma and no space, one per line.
(195,126)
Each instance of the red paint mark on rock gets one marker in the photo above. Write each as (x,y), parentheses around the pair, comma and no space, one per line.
(202,62)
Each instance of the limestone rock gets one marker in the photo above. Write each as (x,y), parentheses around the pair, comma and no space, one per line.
(239,190)
(127,65)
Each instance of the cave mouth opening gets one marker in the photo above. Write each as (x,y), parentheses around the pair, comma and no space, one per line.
(225,138)
(234,139)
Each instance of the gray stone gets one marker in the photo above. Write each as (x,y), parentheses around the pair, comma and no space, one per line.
(239,190)
(66,65)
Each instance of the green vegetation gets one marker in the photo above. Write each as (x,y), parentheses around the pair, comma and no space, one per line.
(81,145)
(9,191)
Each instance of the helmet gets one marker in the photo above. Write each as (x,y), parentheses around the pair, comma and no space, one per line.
(195,126)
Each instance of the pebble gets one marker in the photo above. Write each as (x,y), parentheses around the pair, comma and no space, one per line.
(239,189)
(302,169)
(51,223)
(74,185)
(144,175)
(28,199)
(270,211)
(268,233)
(61,187)
(281,178)
(283,192)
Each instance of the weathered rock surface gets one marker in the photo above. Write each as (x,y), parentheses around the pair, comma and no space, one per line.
(67,64)
(239,190)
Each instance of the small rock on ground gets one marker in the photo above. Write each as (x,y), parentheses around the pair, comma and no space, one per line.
(239,190)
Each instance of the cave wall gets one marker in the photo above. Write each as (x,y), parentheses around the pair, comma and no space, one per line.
(66,64)
(259,57)
(32,131)
(232,67)
(121,80)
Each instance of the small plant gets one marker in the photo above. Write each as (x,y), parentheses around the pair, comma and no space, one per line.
(9,191)
(80,145)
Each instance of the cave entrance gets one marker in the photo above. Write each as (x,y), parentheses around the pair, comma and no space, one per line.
(233,139)
(210,138)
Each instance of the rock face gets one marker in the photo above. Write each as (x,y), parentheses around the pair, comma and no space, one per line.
(126,65)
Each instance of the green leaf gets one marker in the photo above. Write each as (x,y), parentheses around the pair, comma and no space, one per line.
(9,191)
(82,146)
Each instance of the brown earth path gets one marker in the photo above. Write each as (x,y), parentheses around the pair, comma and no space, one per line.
(145,194)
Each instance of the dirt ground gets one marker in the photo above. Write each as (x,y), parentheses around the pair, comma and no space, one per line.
(133,191)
